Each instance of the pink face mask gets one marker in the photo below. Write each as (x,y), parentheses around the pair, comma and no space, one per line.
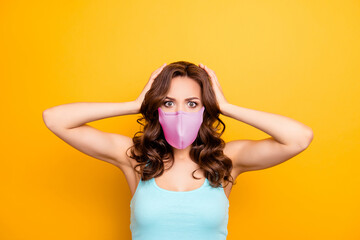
(180,128)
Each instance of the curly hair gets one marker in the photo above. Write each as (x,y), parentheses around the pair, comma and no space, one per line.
(150,149)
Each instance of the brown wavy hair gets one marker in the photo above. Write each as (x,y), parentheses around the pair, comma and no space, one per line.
(150,149)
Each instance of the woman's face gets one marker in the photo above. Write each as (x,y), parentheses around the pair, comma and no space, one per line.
(184,95)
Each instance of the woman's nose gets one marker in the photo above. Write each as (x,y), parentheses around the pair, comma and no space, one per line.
(180,108)
(183,107)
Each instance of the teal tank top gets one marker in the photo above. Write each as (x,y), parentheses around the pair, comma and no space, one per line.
(160,214)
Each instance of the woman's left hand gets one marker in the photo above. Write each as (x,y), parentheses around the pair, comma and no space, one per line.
(216,86)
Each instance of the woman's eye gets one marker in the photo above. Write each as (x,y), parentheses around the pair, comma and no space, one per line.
(166,102)
(194,104)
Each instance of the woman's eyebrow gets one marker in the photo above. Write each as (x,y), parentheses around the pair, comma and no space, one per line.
(185,98)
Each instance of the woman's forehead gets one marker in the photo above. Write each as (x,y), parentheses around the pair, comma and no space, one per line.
(184,87)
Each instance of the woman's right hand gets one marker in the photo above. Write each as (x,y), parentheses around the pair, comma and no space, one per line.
(141,97)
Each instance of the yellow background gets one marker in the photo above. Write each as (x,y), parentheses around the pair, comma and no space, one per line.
(299,59)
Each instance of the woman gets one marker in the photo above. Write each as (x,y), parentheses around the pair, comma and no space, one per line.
(180,172)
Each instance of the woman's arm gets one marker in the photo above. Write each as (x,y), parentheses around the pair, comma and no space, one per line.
(69,123)
(73,115)
(285,130)
(288,136)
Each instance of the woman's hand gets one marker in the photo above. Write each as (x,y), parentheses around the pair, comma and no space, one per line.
(216,87)
(141,97)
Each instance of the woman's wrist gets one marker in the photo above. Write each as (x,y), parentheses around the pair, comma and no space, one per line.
(136,106)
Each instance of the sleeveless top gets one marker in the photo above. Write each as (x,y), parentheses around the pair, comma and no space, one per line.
(160,214)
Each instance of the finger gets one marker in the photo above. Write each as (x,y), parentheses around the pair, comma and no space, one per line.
(160,69)
(211,73)
(202,66)
(162,66)
(206,69)
(157,71)
(214,78)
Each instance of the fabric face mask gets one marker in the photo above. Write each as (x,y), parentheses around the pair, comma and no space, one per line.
(180,128)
